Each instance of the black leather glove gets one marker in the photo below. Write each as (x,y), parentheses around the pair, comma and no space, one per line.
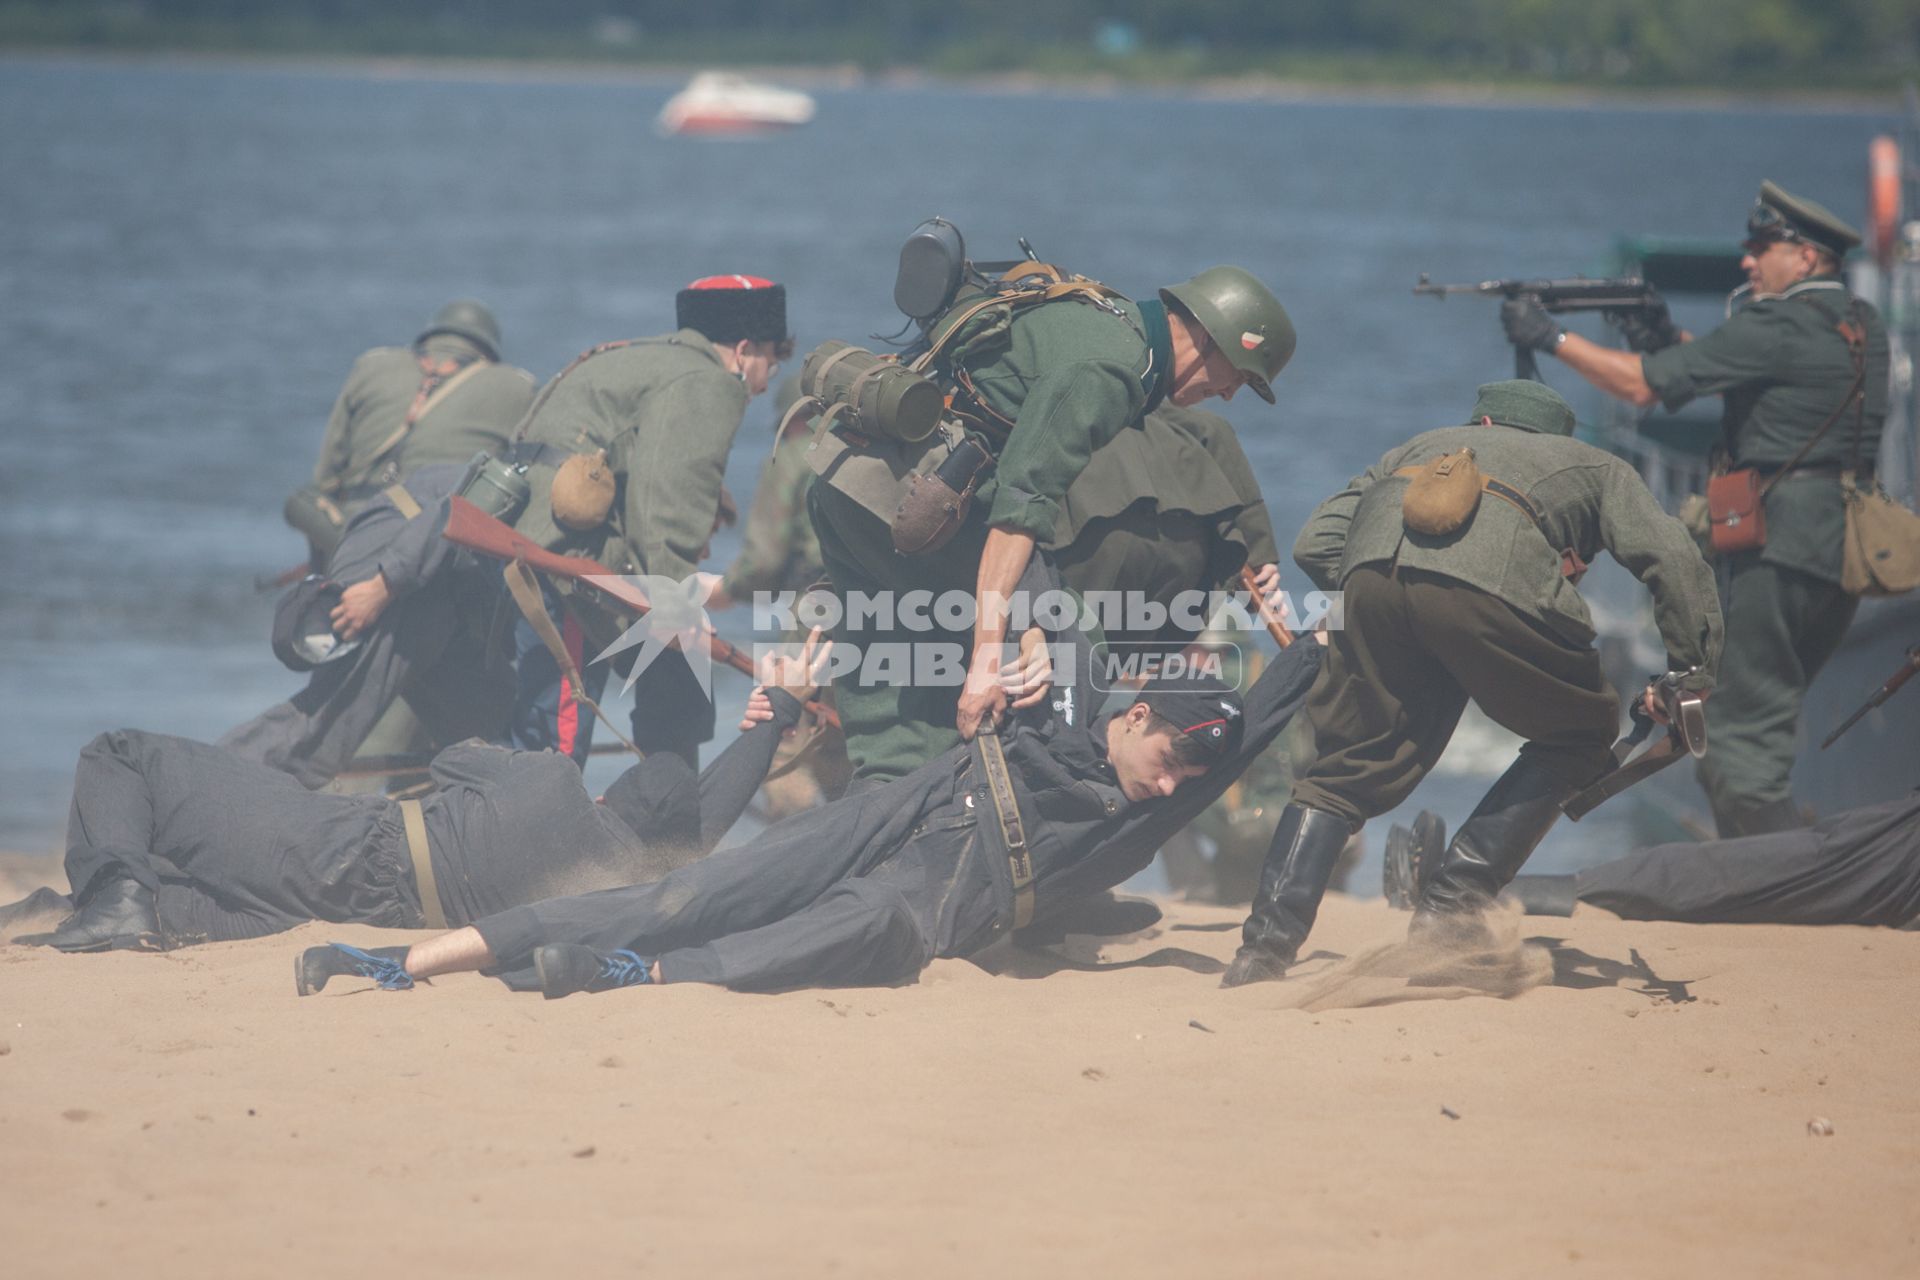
(1646,328)
(1528,325)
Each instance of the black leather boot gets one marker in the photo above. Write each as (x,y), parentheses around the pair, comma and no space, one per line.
(118,916)
(1543,895)
(1299,863)
(1491,845)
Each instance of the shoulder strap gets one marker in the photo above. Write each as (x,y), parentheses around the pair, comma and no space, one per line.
(435,387)
(525,590)
(539,401)
(1018,296)
(1571,565)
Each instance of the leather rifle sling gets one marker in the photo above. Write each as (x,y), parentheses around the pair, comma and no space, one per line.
(1013,831)
(416,824)
(526,594)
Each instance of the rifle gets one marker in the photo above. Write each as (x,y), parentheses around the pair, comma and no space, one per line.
(1686,735)
(1880,695)
(470,527)
(1621,293)
(1275,627)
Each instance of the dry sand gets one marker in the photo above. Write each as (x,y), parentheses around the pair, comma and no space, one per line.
(1643,1113)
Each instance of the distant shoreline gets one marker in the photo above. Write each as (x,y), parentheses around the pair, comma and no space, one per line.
(1220,88)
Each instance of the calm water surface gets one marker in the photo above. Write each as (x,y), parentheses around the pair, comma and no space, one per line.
(192,257)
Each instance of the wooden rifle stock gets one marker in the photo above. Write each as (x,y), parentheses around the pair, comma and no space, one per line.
(470,527)
(1275,627)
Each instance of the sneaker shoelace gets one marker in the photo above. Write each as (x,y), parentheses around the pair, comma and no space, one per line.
(623,969)
(390,974)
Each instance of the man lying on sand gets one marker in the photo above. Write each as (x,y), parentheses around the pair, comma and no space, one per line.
(1861,866)
(870,888)
(173,842)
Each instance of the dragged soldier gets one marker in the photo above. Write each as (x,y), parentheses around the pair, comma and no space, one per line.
(396,643)
(442,400)
(1801,369)
(625,451)
(1859,867)
(1010,828)
(1038,379)
(1457,554)
(173,842)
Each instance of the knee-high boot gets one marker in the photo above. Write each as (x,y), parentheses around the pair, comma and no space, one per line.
(1299,863)
(1491,845)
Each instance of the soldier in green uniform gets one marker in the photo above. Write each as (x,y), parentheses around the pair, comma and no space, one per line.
(1783,368)
(779,550)
(1489,612)
(663,412)
(1062,378)
(442,400)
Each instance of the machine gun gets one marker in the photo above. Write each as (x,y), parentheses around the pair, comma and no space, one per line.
(1620,294)
(1880,695)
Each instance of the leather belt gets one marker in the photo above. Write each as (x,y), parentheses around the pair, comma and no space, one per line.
(416,824)
(1013,832)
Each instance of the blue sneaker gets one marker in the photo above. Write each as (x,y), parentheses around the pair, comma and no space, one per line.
(565,968)
(384,965)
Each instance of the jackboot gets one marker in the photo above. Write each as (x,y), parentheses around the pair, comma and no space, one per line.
(1492,844)
(1543,895)
(118,916)
(1306,845)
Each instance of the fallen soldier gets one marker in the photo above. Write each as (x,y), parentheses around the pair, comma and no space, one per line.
(870,888)
(1861,866)
(172,842)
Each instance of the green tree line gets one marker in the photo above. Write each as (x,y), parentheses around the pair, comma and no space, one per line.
(1837,44)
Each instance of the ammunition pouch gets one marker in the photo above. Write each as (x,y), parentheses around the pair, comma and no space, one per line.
(496,486)
(872,395)
(937,501)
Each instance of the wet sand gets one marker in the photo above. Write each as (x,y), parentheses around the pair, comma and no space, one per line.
(1644,1112)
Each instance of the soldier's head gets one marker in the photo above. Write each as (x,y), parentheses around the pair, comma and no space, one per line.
(465,318)
(1175,730)
(745,318)
(1523,403)
(1229,331)
(1790,239)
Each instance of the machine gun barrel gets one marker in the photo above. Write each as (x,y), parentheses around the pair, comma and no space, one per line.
(1611,293)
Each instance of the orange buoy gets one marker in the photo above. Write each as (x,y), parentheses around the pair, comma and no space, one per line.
(1883,197)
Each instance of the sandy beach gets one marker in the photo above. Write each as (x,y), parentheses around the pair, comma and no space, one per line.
(1643,1111)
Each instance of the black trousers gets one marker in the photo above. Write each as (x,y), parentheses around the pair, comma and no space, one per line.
(232,849)
(865,890)
(1857,867)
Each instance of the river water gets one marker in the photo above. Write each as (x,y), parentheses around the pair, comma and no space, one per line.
(192,255)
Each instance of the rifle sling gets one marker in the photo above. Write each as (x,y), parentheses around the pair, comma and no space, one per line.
(1013,832)
(423,403)
(415,823)
(525,590)
(1651,761)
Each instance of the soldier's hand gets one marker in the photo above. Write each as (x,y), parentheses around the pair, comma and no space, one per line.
(1528,325)
(360,606)
(1646,328)
(983,701)
(1030,679)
